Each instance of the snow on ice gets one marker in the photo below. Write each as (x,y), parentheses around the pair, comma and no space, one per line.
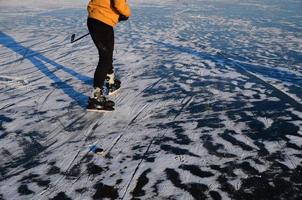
(210,105)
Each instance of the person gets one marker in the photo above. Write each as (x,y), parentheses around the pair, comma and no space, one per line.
(103,16)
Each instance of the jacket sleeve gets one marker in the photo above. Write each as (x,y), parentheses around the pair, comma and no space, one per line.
(122,7)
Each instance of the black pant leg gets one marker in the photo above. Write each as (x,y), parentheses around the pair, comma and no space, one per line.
(103,38)
(111,46)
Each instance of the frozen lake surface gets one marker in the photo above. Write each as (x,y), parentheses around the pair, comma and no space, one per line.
(210,106)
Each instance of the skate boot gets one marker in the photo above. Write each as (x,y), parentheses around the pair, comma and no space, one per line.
(97,102)
(112,83)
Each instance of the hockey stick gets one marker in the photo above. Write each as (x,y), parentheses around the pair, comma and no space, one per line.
(72,40)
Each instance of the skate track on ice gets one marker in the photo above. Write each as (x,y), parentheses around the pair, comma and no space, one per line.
(210,106)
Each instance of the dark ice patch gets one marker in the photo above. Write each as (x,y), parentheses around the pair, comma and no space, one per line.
(276,132)
(4,119)
(279,130)
(23,190)
(195,170)
(177,150)
(34,178)
(35,135)
(211,122)
(227,170)
(61,196)
(178,131)
(60,100)
(155,188)
(278,182)
(118,181)
(256,188)
(94,169)
(4,134)
(150,159)
(42,183)
(247,168)
(137,156)
(267,106)
(227,135)
(6,153)
(53,162)
(29,178)
(137,147)
(182,138)
(28,160)
(81,190)
(74,172)
(213,149)
(197,108)
(77,125)
(276,157)
(53,170)
(105,191)
(262,152)
(31,163)
(141,182)
(42,87)
(296,176)
(224,184)
(147,156)
(197,190)
(215,195)
(293,146)
(256,126)
(295,90)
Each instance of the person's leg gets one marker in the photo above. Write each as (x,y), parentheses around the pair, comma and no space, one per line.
(101,35)
(111,44)
(103,38)
(113,83)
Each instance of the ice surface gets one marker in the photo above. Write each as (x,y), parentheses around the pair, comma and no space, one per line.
(210,105)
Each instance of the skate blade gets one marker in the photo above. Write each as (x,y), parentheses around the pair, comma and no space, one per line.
(114,92)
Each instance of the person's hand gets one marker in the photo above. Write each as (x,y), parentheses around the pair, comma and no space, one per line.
(122,18)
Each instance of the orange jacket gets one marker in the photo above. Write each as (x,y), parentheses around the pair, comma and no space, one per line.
(108,11)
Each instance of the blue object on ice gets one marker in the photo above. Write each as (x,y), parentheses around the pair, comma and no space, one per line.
(96,149)
(93,148)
